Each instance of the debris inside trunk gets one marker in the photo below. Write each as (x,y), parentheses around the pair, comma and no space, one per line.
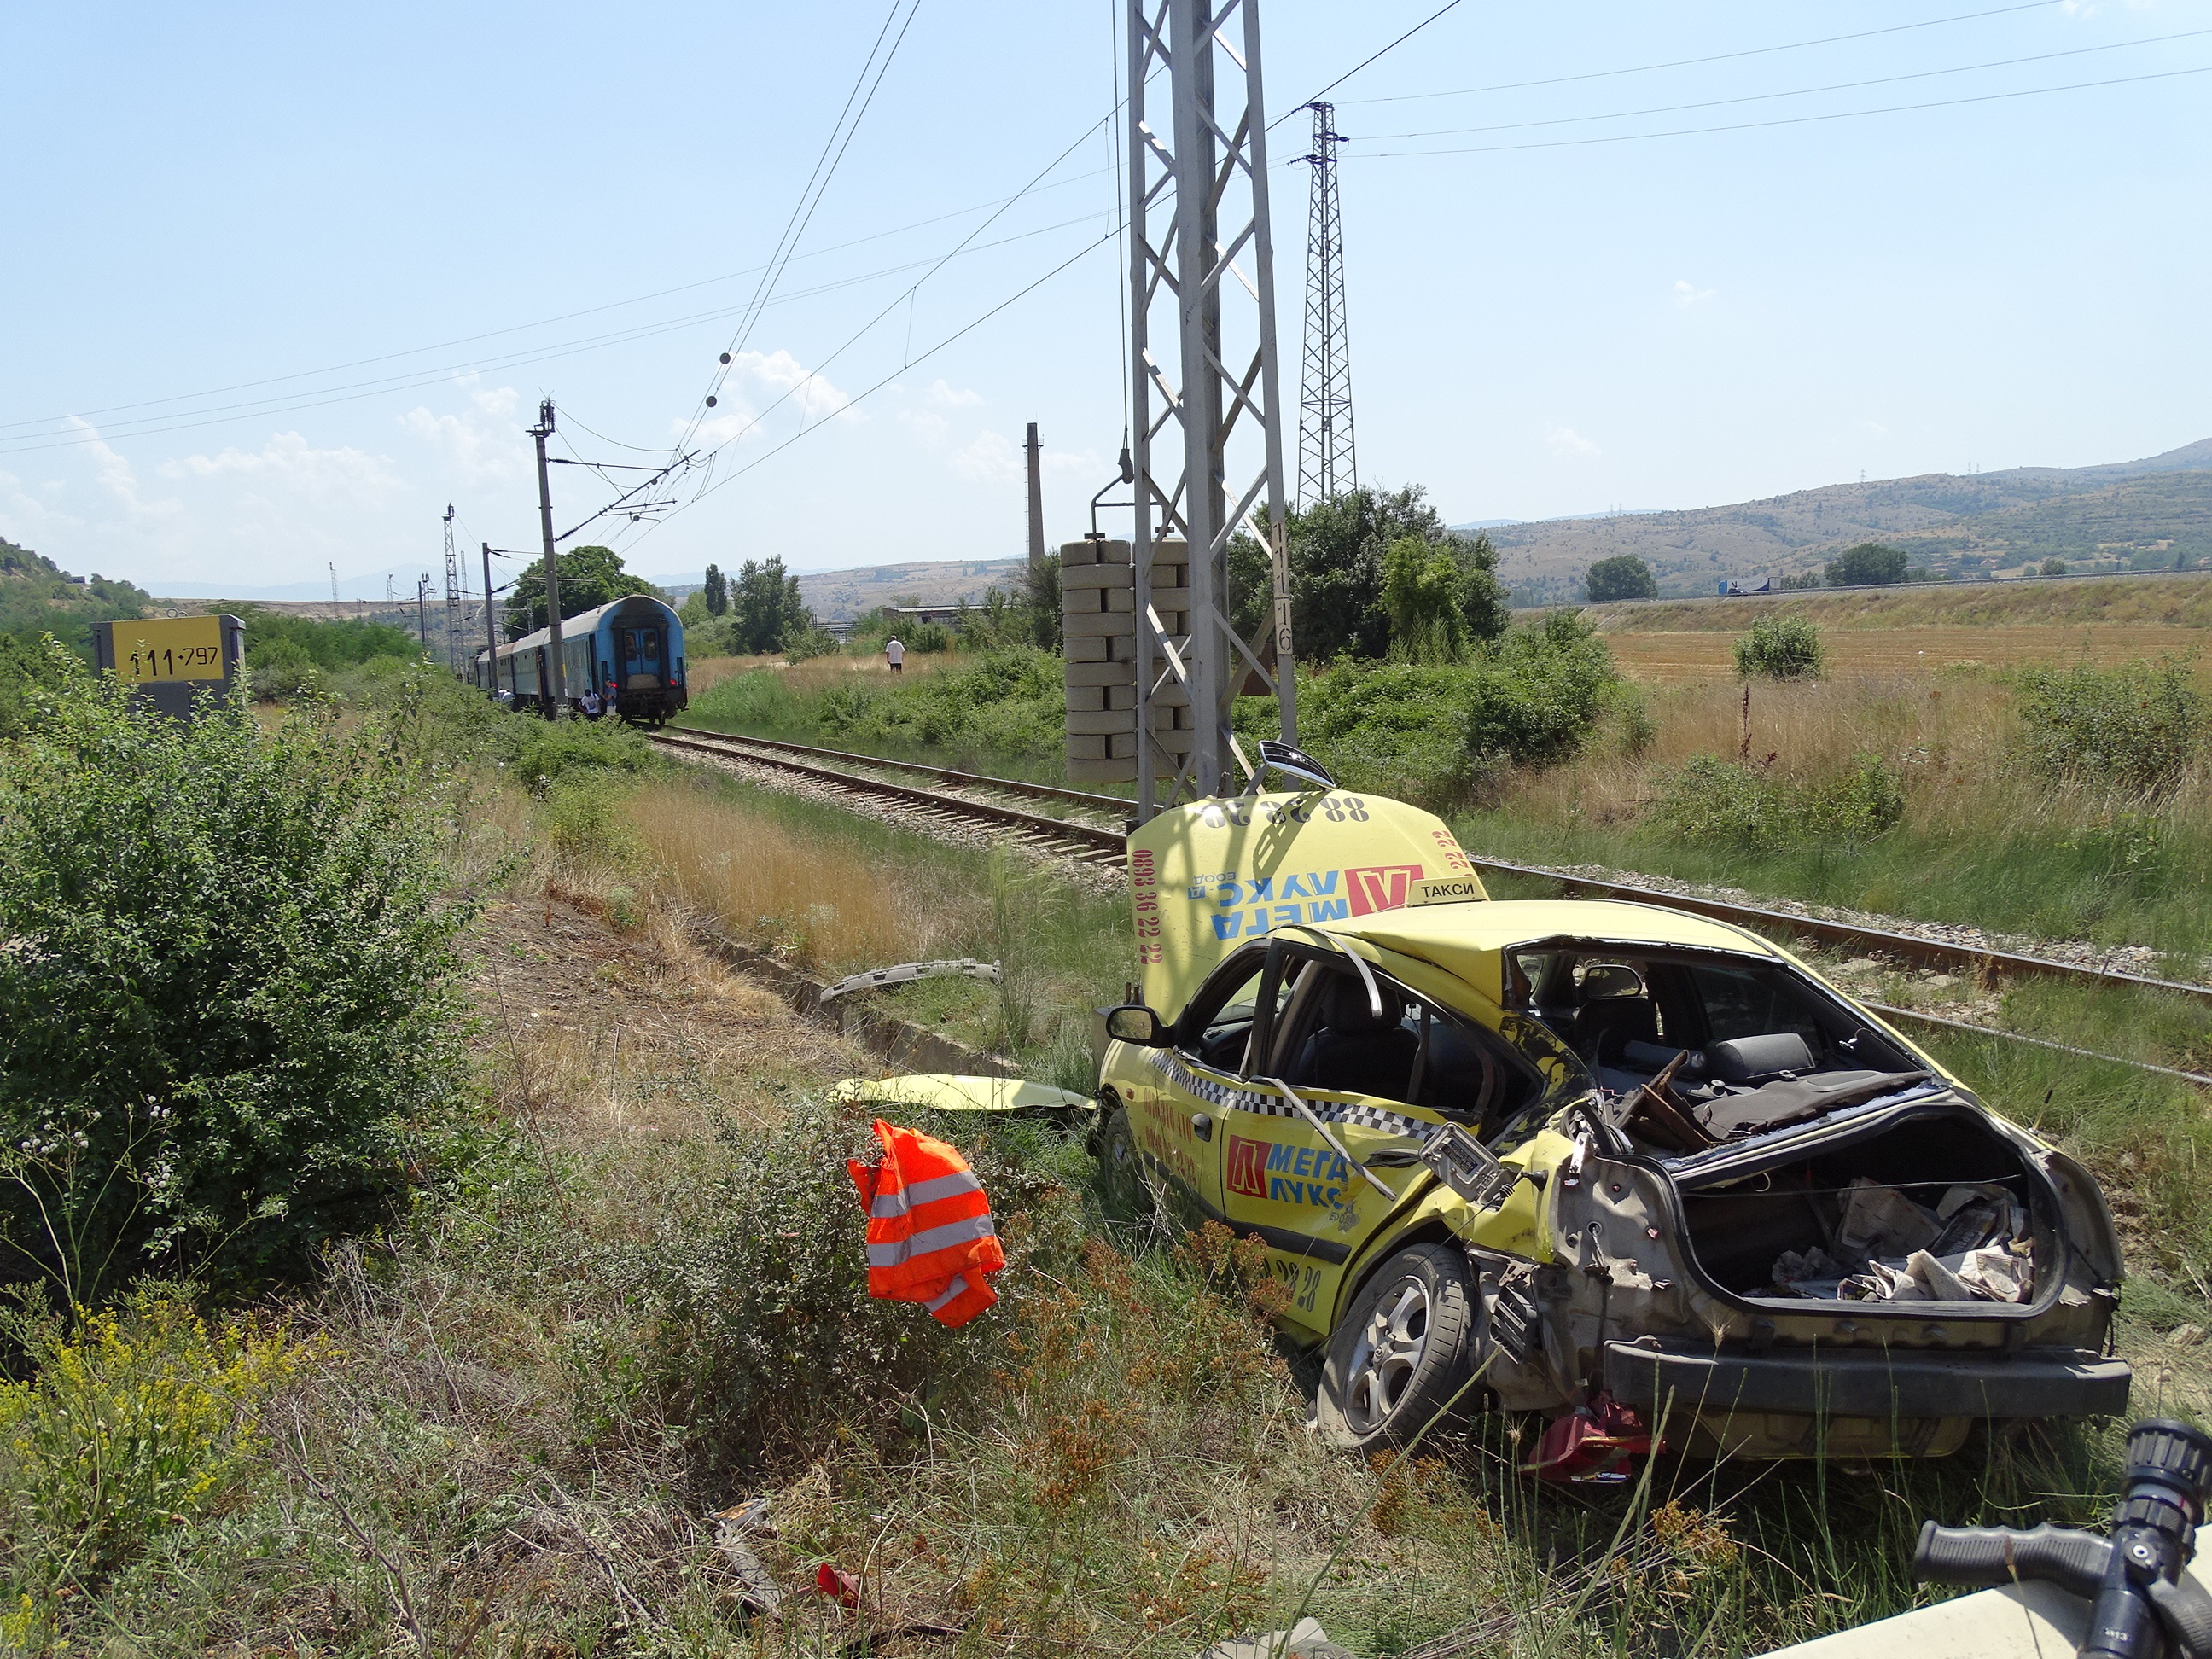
(1974,1246)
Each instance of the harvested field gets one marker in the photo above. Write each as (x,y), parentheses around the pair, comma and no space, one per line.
(2178,601)
(1677,657)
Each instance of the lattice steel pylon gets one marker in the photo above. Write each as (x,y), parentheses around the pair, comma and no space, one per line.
(1208,444)
(1326,463)
(452,597)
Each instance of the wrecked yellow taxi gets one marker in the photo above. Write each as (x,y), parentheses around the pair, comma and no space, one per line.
(1640,1171)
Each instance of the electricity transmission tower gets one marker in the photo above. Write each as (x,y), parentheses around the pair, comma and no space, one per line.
(452,597)
(1207,443)
(1327,465)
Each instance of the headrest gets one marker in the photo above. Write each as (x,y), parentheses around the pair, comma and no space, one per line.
(1747,1060)
(1345,1007)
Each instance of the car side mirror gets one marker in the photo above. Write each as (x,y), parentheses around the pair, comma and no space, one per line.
(1133,1022)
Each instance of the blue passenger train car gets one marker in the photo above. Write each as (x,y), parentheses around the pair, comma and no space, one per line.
(634,646)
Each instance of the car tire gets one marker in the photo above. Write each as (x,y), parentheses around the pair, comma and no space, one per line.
(1401,1352)
(1122,1170)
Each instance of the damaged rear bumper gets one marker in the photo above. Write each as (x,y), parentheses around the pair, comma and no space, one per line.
(1676,1378)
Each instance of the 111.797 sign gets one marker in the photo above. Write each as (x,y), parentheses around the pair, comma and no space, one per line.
(167,660)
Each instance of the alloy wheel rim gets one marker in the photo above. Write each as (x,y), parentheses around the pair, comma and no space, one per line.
(1387,1355)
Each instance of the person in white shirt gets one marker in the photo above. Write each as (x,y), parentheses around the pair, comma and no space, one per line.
(590,704)
(895,654)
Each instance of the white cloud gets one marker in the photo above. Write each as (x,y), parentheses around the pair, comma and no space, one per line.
(288,460)
(1876,428)
(118,477)
(939,392)
(1566,441)
(816,397)
(486,442)
(1686,294)
(989,456)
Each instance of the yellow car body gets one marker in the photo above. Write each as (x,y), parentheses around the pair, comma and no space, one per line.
(1332,1004)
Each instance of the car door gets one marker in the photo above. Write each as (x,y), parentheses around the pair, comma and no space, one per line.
(1379,1083)
(1175,1111)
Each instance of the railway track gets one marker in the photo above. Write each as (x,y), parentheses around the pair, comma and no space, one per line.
(1098,836)
(959,798)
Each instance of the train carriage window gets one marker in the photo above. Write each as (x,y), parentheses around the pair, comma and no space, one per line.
(651,638)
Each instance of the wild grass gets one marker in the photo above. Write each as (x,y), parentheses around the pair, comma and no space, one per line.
(1983,839)
(836,894)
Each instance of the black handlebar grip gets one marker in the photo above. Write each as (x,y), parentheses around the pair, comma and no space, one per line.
(2072,1560)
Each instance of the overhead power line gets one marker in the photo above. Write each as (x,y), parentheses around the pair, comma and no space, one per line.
(1715,58)
(327,397)
(1800,92)
(809,199)
(1363,63)
(1786,121)
(547,322)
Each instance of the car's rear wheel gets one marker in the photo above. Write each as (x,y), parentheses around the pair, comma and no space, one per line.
(1122,1171)
(1401,1352)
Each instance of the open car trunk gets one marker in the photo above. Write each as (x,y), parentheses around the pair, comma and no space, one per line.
(1935,1206)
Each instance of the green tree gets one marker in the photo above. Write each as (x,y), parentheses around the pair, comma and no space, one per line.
(1336,555)
(1624,576)
(765,607)
(1422,591)
(1868,565)
(716,592)
(590,577)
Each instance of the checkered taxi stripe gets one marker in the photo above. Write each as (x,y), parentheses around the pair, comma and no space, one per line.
(1229,1098)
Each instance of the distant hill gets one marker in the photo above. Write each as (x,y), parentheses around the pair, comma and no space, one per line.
(37,596)
(2123,515)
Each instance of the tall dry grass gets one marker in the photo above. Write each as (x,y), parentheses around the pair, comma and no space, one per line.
(823,902)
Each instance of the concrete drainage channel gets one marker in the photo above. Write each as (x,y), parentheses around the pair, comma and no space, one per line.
(900,1042)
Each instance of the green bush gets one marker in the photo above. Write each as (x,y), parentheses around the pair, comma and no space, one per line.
(1429,733)
(226,962)
(765,1343)
(1712,802)
(280,672)
(543,750)
(135,1421)
(1780,648)
(2137,726)
(1010,701)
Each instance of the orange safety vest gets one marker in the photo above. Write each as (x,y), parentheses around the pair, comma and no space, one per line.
(930,1237)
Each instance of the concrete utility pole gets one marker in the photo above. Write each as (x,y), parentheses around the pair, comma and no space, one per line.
(1037,502)
(542,431)
(1327,464)
(1210,167)
(423,611)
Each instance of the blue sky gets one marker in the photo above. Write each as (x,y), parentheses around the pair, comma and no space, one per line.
(394,230)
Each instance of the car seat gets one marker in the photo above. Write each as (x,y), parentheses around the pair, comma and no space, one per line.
(1355,1051)
(1602,1028)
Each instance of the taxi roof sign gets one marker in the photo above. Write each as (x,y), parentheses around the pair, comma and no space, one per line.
(1207,876)
(1446,889)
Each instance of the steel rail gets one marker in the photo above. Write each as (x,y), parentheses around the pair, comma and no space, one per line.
(1041,791)
(1912,947)
(1093,838)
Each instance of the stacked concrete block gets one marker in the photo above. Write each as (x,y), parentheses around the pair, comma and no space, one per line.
(1099,624)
